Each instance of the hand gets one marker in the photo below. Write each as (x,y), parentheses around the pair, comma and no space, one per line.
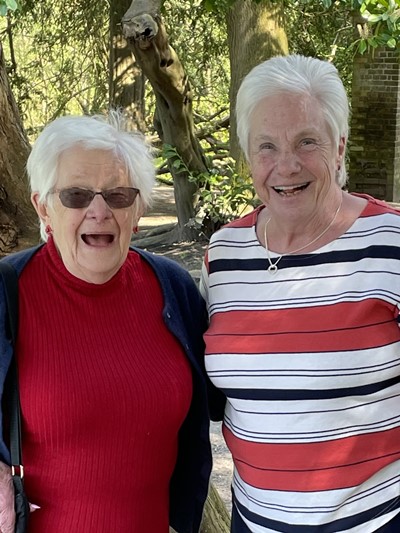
(7,513)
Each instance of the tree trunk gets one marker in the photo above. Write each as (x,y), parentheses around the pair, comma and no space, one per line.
(215,517)
(17,215)
(145,32)
(126,79)
(255,33)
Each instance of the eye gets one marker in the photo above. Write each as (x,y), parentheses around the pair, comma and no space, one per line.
(118,197)
(78,193)
(267,146)
(308,144)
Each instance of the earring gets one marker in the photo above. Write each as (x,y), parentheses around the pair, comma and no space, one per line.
(48,230)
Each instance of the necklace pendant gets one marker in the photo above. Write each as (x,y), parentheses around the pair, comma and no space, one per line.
(272,269)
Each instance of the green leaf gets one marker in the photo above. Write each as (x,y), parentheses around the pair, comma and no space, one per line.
(177,164)
(374,18)
(394,16)
(3,10)
(363,46)
(372,42)
(209,5)
(12,4)
(391,43)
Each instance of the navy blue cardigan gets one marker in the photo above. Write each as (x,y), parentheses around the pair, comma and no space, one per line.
(185,316)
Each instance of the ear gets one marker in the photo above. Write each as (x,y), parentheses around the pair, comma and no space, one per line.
(41,209)
(341,148)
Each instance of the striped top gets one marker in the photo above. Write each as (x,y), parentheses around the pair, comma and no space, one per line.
(309,360)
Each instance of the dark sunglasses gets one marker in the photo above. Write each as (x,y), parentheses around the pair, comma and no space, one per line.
(77,198)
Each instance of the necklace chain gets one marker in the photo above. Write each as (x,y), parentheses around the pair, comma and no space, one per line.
(273,267)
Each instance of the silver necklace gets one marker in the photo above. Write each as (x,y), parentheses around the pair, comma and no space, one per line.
(273,267)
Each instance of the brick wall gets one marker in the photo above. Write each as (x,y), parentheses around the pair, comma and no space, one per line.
(374,146)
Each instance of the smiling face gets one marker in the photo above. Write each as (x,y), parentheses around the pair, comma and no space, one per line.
(93,242)
(293,159)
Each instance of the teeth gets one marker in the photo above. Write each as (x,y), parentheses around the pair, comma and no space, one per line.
(283,188)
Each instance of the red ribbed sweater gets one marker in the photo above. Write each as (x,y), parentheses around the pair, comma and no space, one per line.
(104,390)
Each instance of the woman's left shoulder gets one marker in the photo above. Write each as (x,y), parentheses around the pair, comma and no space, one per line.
(165,267)
(374,206)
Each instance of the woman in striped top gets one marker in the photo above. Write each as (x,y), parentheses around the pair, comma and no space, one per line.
(303,296)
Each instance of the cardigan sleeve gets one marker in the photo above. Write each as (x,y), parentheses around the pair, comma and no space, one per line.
(5,358)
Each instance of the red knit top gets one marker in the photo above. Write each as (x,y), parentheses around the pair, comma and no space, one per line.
(105,388)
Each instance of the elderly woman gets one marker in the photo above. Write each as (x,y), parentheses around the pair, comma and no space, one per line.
(110,349)
(304,341)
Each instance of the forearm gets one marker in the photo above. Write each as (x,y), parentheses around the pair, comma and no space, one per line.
(7,513)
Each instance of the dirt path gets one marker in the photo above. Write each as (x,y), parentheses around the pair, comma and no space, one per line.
(190,255)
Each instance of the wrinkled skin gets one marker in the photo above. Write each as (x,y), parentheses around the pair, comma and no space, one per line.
(7,514)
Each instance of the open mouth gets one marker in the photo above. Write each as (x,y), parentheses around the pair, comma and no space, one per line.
(97,239)
(291,190)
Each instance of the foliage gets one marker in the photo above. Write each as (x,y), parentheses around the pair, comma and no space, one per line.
(201,43)
(223,194)
(323,32)
(7,5)
(383,17)
(59,59)
(378,24)
(223,5)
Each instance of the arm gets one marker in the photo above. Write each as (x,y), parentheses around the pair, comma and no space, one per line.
(7,513)
(216,399)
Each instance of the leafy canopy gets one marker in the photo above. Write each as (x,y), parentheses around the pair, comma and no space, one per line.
(6,5)
(378,24)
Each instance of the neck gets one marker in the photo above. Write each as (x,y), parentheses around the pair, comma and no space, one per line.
(288,239)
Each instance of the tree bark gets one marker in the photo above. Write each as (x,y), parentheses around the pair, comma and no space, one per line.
(145,32)
(17,216)
(255,33)
(126,79)
(215,517)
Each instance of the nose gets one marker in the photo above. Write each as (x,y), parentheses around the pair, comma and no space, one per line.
(288,162)
(98,209)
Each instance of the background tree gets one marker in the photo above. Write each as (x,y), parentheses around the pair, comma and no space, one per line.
(260,28)
(61,59)
(126,79)
(173,119)
(255,33)
(58,60)
(16,211)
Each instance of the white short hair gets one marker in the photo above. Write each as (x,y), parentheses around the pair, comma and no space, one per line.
(295,74)
(97,132)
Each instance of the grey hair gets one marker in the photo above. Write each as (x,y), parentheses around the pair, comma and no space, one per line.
(97,132)
(295,74)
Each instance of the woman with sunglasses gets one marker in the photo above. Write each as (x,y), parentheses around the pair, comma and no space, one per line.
(110,350)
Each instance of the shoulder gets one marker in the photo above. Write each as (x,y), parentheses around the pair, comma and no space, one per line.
(246,221)
(167,270)
(239,227)
(377,207)
(19,259)
(235,235)
(160,263)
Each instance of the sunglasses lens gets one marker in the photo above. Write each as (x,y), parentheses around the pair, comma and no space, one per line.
(76,197)
(120,197)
